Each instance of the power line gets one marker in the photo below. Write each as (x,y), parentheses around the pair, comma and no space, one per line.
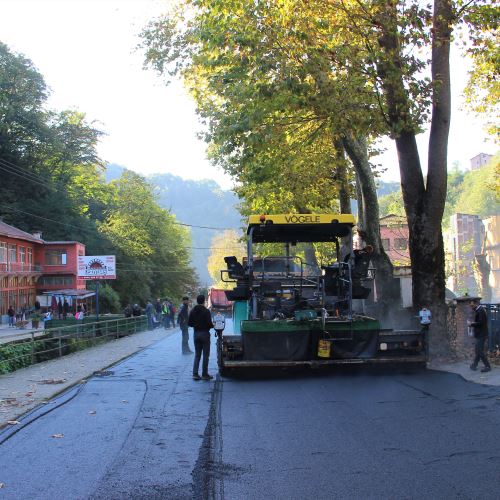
(87,229)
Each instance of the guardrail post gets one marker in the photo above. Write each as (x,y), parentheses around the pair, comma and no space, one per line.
(117,329)
(60,344)
(32,348)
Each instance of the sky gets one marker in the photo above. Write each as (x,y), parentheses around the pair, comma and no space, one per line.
(87,52)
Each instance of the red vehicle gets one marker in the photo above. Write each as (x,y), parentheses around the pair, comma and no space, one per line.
(217,300)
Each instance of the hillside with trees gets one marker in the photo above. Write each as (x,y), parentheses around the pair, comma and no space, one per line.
(53,181)
(472,192)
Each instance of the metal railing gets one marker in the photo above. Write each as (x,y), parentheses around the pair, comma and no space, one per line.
(43,345)
(20,267)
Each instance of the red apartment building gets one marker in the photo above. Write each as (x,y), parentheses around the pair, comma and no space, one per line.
(394,234)
(30,266)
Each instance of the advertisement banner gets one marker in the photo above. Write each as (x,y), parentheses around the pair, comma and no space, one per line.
(97,267)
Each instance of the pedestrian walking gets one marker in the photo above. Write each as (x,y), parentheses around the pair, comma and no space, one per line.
(59,308)
(201,321)
(149,313)
(182,320)
(128,311)
(480,327)
(12,316)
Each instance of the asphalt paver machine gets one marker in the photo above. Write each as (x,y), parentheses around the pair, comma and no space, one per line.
(287,312)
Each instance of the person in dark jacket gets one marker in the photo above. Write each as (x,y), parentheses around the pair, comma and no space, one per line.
(12,316)
(201,321)
(480,326)
(182,320)
(65,309)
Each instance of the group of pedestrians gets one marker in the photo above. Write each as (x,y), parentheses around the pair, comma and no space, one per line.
(199,318)
(162,313)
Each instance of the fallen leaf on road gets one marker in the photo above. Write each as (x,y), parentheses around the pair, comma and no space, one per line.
(2,485)
(92,412)
(58,435)
(124,401)
(52,381)
(13,422)
(29,394)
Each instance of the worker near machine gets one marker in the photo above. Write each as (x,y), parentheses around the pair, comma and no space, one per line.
(480,327)
(425,318)
(182,320)
(201,321)
(220,323)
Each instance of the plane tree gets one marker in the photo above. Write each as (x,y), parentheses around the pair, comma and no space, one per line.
(280,117)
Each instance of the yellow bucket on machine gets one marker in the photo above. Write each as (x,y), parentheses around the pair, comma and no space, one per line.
(324,348)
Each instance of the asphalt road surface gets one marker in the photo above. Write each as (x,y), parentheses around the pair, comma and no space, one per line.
(144,429)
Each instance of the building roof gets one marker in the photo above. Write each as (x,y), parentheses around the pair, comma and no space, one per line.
(392,219)
(61,242)
(14,232)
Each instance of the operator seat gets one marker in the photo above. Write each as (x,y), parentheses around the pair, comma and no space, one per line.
(235,268)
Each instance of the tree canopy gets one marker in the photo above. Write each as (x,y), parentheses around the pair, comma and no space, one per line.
(53,180)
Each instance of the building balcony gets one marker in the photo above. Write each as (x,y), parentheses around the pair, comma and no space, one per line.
(19,268)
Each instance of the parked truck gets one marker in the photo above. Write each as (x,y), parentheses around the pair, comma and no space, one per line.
(218,302)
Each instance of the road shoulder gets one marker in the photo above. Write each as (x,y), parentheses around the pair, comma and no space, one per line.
(462,368)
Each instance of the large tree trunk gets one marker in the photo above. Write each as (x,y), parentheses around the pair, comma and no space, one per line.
(424,205)
(483,272)
(369,224)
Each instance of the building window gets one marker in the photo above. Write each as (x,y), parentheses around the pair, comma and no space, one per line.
(22,255)
(3,252)
(55,280)
(30,255)
(12,253)
(400,243)
(55,257)
(386,244)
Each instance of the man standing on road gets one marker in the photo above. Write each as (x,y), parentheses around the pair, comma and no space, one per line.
(158,312)
(480,326)
(201,320)
(182,320)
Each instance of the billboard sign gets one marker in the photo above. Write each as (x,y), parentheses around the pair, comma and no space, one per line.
(96,267)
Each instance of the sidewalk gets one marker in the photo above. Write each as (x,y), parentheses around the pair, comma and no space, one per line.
(24,389)
(8,334)
(462,368)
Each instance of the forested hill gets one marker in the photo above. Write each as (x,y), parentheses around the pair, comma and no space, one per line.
(204,203)
(200,203)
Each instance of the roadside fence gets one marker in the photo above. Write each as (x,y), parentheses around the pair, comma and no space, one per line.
(43,345)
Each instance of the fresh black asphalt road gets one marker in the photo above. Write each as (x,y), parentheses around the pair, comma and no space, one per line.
(144,430)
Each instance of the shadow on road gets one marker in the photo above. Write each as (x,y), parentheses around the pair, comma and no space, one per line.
(328,371)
